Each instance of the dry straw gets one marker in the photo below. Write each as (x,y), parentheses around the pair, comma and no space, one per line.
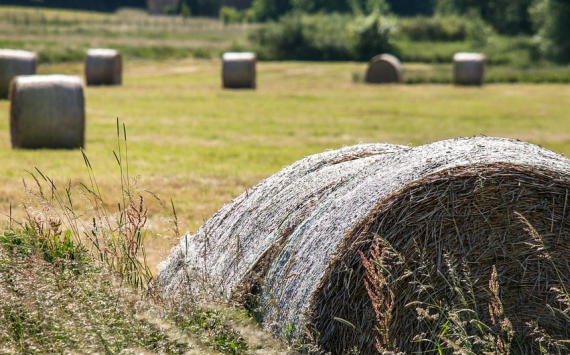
(12,64)
(384,69)
(468,69)
(238,70)
(294,239)
(103,67)
(47,111)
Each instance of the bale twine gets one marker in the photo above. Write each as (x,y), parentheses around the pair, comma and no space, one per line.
(238,70)
(103,67)
(451,200)
(468,69)
(14,63)
(47,111)
(384,69)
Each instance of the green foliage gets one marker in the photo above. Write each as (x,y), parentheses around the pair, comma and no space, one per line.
(372,35)
(550,18)
(505,16)
(439,28)
(185,10)
(324,37)
(270,9)
(229,15)
(203,321)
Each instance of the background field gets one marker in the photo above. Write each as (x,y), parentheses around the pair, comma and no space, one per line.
(199,145)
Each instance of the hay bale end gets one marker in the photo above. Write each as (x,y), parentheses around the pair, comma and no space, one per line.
(294,240)
(14,63)
(468,69)
(384,69)
(238,70)
(103,67)
(47,111)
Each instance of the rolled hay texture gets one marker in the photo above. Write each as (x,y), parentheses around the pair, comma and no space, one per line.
(468,69)
(103,67)
(238,70)
(384,69)
(12,64)
(294,240)
(47,111)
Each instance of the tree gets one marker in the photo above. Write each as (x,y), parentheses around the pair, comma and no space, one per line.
(506,16)
(550,18)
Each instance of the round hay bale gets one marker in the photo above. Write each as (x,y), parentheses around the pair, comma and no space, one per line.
(468,69)
(47,111)
(451,201)
(238,70)
(14,63)
(103,67)
(384,69)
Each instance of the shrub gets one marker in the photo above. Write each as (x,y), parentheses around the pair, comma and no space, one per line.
(550,18)
(437,28)
(324,37)
(372,35)
(447,28)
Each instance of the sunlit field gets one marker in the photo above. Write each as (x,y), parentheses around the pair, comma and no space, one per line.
(193,142)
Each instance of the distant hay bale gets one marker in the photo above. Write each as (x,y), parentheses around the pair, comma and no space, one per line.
(468,69)
(47,111)
(384,69)
(14,63)
(294,239)
(238,70)
(103,67)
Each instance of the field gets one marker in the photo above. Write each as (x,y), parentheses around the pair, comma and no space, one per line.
(199,145)
(196,146)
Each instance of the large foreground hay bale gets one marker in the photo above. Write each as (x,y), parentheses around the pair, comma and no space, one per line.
(103,67)
(238,70)
(384,69)
(14,63)
(296,242)
(47,111)
(468,69)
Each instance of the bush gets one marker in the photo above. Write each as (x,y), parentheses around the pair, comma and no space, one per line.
(438,28)
(550,18)
(372,35)
(329,37)
(447,28)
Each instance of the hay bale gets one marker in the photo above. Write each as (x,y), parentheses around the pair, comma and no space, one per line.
(468,69)
(384,69)
(14,63)
(103,67)
(295,243)
(238,70)
(47,111)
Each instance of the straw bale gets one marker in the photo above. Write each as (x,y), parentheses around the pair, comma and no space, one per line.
(14,63)
(455,198)
(238,70)
(384,69)
(468,69)
(103,67)
(47,111)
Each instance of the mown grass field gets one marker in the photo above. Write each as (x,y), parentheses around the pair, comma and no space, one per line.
(199,145)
